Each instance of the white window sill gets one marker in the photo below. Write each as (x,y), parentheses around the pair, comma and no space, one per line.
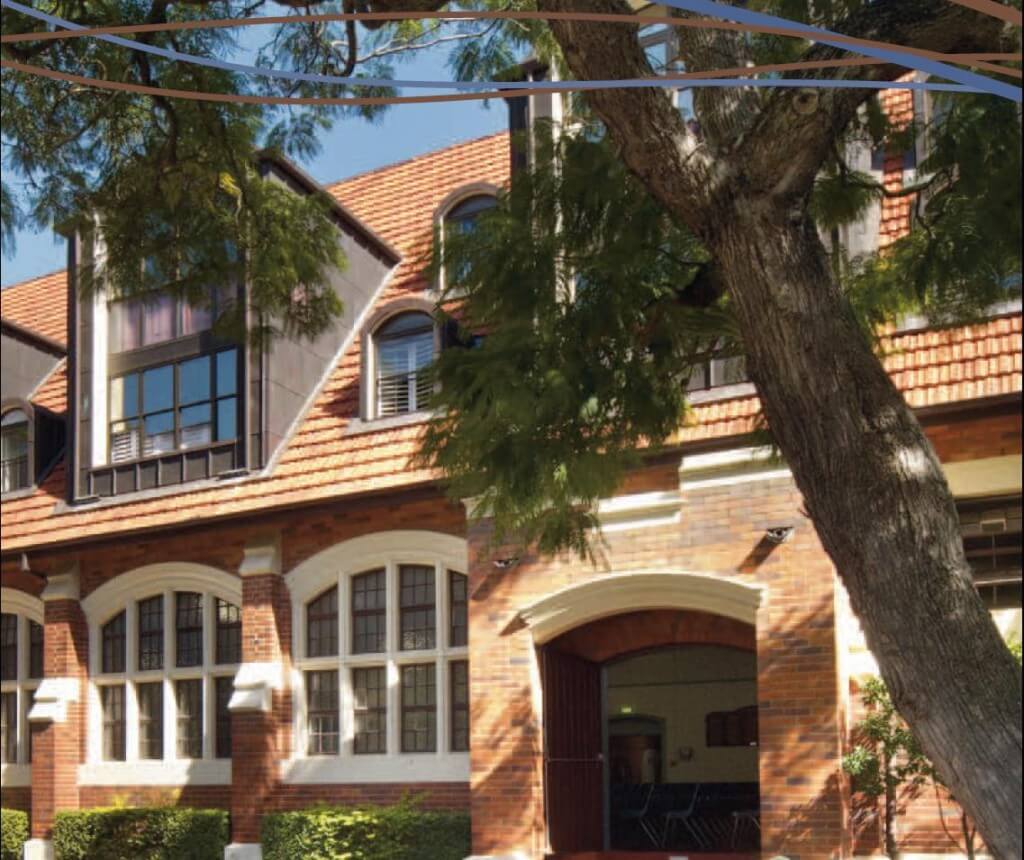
(157,773)
(373,425)
(420,767)
(15,775)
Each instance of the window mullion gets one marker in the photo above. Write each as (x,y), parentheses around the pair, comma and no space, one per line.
(209,686)
(441,687)
(131,720)
(391,616)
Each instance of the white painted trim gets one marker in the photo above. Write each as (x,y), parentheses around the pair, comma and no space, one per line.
(420,767)
(312,576)
(640,510)
(733,466)
(19,602)
(38,849)
(166,772)
(15,775)
(254,685)
(62,586)
(602,596)
(53,695)
(99,412)
(988,476)
(118,592)
(243,851)
(261,557)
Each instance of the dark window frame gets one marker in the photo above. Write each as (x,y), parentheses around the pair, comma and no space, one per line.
(135,423)
(189,725)
(150,646)
(323,624)
(151,727)
(378,612)
(408,612)
(114,725)
(456,741)
(188,632)
(369,742)
(458,610)
(323,708)
(223,687)
(227,633)
(36,650)
(114,644)
(9,731)
(409,709)
(10,652)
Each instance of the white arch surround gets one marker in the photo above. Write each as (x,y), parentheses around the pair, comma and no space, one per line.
(616,593)
(115,593)
(308,579)
(21,603)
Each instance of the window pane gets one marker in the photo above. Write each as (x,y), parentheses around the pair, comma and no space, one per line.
(35,650)
(124,441)
(369,690)
(227,372)
(14,452)
(124,396)
(229,633)
(30,700)
(460,705)
(194,380)
(9,727)
(322,711)
(188,624)
(189,698)
(159,433)
(112,703)
(114,644)
(151,719)
(369,599)
(419,708)
(151,633)
(196,426)
(125,326)
(322,625)
(458,605)
(223,687)
(8,647)
(405,346)
(227,419)
(417,600)
(158,389)
(158,319)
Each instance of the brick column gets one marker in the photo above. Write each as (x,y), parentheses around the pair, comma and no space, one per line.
(57,718)
(259,706)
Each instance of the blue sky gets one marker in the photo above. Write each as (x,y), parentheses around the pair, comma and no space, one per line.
(353,146)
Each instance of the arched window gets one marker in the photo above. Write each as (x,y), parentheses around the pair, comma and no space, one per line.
(167,642)
(461,218)
(15,451)
(380,645)
(404,348)
(21,670)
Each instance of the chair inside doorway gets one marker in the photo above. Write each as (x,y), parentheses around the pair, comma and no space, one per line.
(681,741)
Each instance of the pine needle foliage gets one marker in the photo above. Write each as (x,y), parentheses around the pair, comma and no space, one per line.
(576,348)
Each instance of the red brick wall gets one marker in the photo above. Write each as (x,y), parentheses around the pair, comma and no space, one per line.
(17,798)
(195,796)
(430,795)
(994,434)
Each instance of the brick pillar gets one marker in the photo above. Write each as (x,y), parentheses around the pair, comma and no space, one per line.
(259,706)
(57,718)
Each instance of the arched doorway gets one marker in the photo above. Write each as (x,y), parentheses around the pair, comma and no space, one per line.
(583,633)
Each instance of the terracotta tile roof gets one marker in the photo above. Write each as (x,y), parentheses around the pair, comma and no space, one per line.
(52,392)
(39,304)
(325,459)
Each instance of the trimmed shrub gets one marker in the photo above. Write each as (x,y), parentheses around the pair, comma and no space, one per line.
(147,833)
(400,832)
(13,833)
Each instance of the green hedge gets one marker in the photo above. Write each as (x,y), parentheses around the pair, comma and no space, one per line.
(400,832)
(13,833)
(147,833)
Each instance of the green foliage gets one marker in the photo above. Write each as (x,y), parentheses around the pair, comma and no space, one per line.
(13,833)
(149,833)
(572,286)
(400,832)
(887,755)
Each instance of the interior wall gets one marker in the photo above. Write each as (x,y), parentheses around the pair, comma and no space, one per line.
(682,685)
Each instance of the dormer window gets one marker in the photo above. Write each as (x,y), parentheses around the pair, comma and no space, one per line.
(138,323)
(460,217)
(404,348)
(173,407)
(15,459)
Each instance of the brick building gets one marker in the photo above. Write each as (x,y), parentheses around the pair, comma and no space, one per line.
(226,583)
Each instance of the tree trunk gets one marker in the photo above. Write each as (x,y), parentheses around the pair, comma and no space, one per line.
(881,506)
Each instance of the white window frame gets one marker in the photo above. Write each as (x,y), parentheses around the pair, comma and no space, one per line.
(336,567)
(25,608)
(122,594)
(370,407)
